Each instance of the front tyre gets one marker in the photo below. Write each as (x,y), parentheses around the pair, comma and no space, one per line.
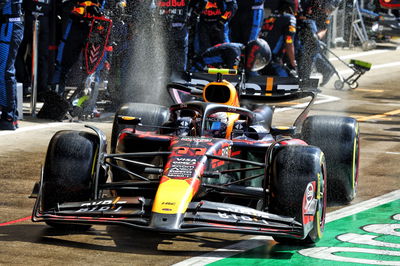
(298,179)
(69,170)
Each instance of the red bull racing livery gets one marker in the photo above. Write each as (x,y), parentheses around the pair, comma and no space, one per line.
(177,170)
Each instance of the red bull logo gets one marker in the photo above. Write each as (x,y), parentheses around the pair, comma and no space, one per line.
(172,3)
(211,5)
(211,13)
(227,15)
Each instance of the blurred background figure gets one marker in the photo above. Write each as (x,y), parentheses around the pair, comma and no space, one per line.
(312,27)
(245,25)
(174,16)
(212,27)
(279,31)
(74,38)
(45,11)
(251,57)
(12,30)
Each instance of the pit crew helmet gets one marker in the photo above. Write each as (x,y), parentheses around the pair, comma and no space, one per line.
(257,55)
(216,125)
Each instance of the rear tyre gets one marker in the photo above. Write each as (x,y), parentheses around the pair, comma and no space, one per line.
(68,171)
(151,115)
(338,137)
(298,177)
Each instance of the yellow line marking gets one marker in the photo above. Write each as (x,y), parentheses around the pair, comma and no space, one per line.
(289,103)
(380,116)
(395,112)
(369,90)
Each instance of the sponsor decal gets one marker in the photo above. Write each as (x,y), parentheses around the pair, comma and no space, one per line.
(211,13)
(172,3)
(101,205)
(309,195)
(227,15)
(182,167)
(242,214)
(172,11)
(168,203)
(210,5)
(196,139)
(252,55)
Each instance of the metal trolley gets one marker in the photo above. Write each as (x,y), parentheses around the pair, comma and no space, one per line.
(359,68)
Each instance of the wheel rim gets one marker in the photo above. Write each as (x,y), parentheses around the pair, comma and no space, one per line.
(356,160)
(321,213)
(338,84)
(354,85)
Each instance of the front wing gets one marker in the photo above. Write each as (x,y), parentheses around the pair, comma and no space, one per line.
(200,216)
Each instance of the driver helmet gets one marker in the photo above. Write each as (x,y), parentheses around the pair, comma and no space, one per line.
(257,54)
(216,125)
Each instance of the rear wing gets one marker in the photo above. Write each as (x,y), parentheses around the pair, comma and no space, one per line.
(258,89)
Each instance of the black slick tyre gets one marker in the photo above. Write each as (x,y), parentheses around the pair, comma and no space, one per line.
(150,114)
(338,138)
(298,179)
(68,171)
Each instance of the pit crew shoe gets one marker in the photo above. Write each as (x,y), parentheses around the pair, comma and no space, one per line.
(326,77)
(8,125)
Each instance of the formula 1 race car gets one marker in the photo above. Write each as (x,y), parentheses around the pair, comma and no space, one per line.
(207,165)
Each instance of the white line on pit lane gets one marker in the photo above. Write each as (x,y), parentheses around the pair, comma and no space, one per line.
(255,242)
(30,128)
(325,99)
(350,71)
(360,54)
(391,152)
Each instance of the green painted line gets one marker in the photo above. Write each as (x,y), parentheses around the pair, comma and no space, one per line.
(371,237)
(239,252)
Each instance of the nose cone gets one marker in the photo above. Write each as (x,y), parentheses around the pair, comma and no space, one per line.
(166,222)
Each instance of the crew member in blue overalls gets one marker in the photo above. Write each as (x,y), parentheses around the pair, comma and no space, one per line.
(245,25)
(11,33)
(279,31)
(251,57)
(312,27)
(74,38)
(212,27)
(43,9)
(174,15)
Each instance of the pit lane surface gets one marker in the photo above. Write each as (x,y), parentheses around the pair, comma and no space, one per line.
(376,104)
